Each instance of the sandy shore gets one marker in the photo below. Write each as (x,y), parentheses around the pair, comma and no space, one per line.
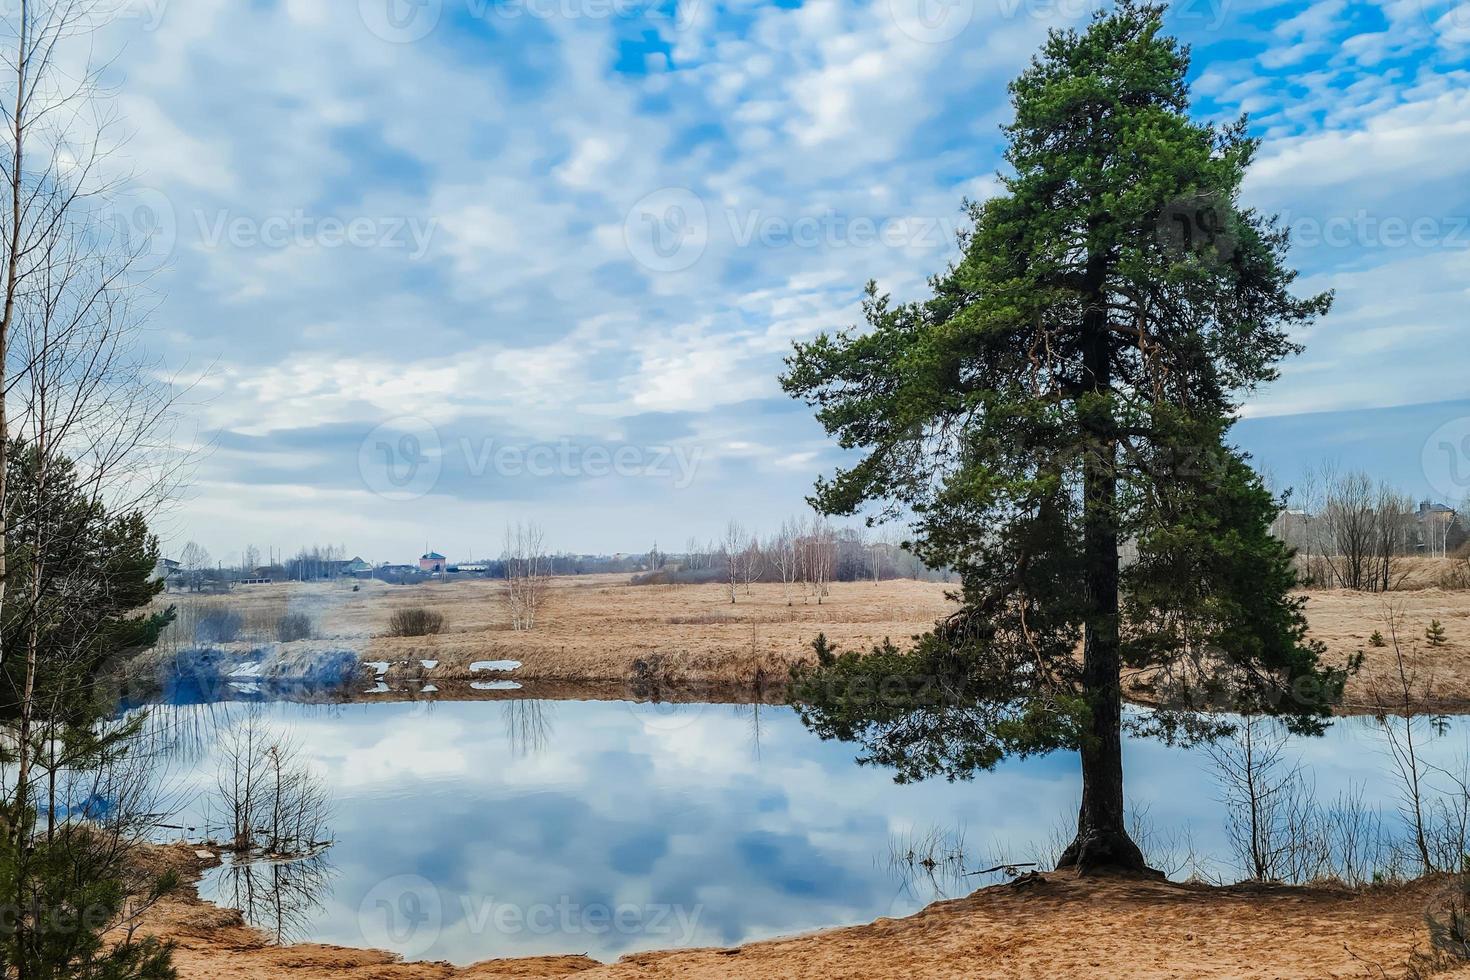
(1057,927)
(599,632)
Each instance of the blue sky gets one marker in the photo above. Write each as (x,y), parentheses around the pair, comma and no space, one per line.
(441,264)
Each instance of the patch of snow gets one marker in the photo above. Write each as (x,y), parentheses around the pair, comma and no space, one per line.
(495,686)
(429,664)
(380,667)
(429,689)
(499,665)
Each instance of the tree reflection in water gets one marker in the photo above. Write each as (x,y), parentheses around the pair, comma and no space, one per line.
(281,898)
(529,726)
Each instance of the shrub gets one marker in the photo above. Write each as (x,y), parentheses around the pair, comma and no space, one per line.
(1376,640)
(415,622)
(218,626)
(294,626)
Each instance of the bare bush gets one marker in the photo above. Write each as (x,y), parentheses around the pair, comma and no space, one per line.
(1269,817)
(1279,832)
(218,626)
(415,622)
(271,804)
(293,627)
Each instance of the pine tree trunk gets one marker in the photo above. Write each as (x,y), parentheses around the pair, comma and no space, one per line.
(1102,835)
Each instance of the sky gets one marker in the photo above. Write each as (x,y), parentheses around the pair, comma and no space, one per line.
(433,266)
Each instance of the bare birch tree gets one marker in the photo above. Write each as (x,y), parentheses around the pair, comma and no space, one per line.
(76,386)
(527,574)
(819,555)
(752,563)
(732,550)
(781,550)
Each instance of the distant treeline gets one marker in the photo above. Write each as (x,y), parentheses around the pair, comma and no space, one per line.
(814,551)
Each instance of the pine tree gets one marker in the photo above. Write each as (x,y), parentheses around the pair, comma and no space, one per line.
(1435,634)
(1068,388)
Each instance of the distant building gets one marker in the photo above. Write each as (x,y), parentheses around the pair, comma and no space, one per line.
(166,569)
(471,567)
(356,567)
(433,562)
(1439,529)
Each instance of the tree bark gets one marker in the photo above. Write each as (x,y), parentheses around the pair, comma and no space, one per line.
(1102,841)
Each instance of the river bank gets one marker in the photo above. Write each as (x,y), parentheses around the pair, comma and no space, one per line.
(1058,926)
(599,633)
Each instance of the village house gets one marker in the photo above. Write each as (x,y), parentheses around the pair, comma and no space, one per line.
(1439,529)
(433,562)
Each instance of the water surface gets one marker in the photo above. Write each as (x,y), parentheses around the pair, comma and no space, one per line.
(471,830)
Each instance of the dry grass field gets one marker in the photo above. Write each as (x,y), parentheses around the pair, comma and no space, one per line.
(597,629)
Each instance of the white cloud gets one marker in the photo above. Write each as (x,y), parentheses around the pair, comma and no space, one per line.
(527,151)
